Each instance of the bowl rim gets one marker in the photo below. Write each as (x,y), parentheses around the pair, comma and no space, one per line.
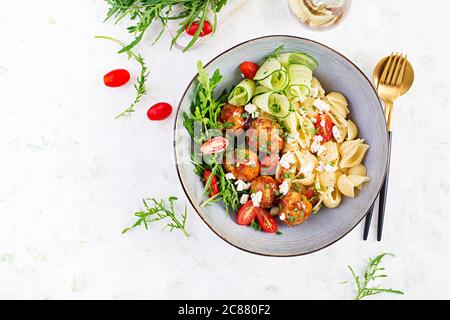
(195,206)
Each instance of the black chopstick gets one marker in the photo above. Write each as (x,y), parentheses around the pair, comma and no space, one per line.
(384,190)
(369,215)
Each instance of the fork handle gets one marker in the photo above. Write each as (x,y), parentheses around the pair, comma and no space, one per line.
(384,190)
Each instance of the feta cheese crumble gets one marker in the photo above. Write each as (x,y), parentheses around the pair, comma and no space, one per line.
(321,105)
(307,169)
(252,110)
(286,160)
(314,92)
(284,188)
(282,216)
(230,176)
(330,168)
(336,133)
(244,199)
(293,137)
(256,198)
(316,146)
(242,185)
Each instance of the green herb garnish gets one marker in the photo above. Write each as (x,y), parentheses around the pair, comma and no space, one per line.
(363,285)
(155,210)
(140,85)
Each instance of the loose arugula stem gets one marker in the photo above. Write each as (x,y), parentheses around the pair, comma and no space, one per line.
(362,285)
(159,211)
(140,86)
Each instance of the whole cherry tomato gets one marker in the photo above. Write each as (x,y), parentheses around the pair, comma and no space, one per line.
(266,220)
(214,145)
(116,78)
(159,111)
(249,69)
(193,28)
(213,186)
(324,127)
(246,214)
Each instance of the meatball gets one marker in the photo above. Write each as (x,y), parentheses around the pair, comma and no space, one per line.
(232,116)
(265,135)
(269,188)
(243,164)
(294,208)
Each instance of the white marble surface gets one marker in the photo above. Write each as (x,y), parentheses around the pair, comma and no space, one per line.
(70,175)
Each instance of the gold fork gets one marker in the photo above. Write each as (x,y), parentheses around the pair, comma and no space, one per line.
(390,82)
(389,89)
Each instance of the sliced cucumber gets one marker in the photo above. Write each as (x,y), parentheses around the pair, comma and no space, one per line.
(260,90)
(279,106)
(272,75)
(287,59)
(300,80)
(242,93)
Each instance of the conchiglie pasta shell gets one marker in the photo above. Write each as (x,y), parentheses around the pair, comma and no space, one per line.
(346,186)
(332,200)
(359,170)
(357,180)
(331,152)
(327,180)
(311,111)
(306,131)
(342,134)
(307,162)
(352,130)
(354,156)
(338,103)
(316,83)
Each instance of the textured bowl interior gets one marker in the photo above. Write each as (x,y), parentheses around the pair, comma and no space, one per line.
(335,73)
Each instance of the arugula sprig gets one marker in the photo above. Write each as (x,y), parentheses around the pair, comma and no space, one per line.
(372,273)
(145,13)
(205,110)
(140,85)
(155,210)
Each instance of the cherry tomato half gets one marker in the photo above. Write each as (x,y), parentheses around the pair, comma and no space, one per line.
(213,186)
(214,145)
(116,78)
(249,69)
(266,220)
(246,214)
(193,28)
(159,111)
(324,127)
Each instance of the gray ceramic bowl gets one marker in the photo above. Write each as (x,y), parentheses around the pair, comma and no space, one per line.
(336,73)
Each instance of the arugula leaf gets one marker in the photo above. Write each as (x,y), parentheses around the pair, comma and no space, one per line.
(204,111)
(144,13)
(363,284)
(155,210)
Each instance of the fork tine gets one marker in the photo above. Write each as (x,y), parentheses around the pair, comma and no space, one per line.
(394,66)
(397,70)
(401,74)
(386,69)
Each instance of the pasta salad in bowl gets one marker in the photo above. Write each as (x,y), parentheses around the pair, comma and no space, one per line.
(279,150)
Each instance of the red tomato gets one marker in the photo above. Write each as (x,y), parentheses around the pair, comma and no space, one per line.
(213,186)
(246,214)
(325,131)
(116,78)
(215,145)
(266,220)
(249,69)
(159,111)
(309,193)
(193,28)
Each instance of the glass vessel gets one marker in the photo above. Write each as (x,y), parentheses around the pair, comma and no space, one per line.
(318,14)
